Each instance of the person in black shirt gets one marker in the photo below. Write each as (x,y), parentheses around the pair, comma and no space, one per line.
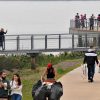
(49,72)
(2,38)
(77,21)
(90,59)
(4,87)
(91,22)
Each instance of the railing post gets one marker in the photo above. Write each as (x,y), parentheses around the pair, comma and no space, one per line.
(99,41)
(4,44)
(59,41)
(32,42)
(86,24)
(86,40)
(97,25)
(72,41)
(45,41)
(18,42)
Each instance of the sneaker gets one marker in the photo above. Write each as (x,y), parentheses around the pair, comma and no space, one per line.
(91,80)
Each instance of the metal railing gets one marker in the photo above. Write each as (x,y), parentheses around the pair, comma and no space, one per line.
(85,25)
(48,42)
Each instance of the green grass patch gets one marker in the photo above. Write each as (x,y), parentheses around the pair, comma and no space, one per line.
(29,77)
(60,71)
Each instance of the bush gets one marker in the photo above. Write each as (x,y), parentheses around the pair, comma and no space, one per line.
(14,62)
(24,61)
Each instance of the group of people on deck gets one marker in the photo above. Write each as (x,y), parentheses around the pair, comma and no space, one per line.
(81,21)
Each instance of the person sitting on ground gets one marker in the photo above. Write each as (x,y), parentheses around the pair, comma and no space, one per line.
(49,73)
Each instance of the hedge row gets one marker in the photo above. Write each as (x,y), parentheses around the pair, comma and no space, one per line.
(24,61)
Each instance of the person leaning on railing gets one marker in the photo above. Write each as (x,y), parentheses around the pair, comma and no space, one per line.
(2,38)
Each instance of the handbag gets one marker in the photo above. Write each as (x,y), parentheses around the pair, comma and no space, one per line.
(84,70)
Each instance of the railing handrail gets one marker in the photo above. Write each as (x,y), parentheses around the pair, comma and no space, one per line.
(35,34)
(50,42)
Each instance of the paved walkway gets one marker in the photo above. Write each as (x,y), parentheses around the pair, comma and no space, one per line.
(77,88)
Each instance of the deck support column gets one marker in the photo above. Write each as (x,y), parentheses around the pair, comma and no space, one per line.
(98,41)
(33,60)
(86,43)
(80,44)
(94,41)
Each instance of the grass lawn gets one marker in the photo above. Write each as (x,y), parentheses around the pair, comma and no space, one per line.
(29,77)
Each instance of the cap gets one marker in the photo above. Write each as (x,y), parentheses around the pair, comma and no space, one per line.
(49,65)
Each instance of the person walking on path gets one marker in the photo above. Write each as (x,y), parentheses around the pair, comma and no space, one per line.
(2,38)
(16,88)
(90,59)
(4,86)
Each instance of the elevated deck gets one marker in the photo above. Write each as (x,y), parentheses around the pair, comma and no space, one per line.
(77,29)
(83,31)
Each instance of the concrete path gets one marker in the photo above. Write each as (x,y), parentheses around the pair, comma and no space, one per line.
(77,88)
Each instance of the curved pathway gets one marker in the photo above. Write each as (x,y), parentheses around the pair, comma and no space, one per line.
(76,87)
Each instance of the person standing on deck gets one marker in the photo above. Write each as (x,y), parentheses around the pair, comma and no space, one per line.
(92,22)
(82,21)
(77,21)
(85,21)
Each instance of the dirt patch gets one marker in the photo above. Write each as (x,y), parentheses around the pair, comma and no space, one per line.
(66,64)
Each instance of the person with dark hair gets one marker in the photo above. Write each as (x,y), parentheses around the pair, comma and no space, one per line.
(4,86)
(49,73)
(90,59)
(16,88)
(77,21)
(98,20)
(42,89)
(92,22)
(85,20)
(82,21)
(2,38)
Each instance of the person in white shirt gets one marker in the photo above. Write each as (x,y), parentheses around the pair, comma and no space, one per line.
(16,87)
